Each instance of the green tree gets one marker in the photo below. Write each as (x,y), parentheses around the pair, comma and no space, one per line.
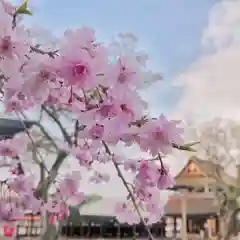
(220,144)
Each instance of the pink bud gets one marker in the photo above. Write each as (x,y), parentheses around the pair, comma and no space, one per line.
(59,217)
(52,219)
(143,163)
(67,212)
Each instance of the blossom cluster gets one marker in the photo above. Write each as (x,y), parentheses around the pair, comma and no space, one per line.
(101,88)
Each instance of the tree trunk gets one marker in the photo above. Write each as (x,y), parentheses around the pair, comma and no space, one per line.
(232,229)
(51,231)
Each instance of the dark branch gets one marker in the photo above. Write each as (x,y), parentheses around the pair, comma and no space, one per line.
(66,136)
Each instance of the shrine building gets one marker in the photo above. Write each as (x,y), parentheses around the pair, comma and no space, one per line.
(194,206)
(191,208)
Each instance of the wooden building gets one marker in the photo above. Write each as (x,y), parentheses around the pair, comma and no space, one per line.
(191,207)
(28,225)
(195,204)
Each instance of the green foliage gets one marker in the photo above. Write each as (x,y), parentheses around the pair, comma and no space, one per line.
(232,204)
(187,147)
(230,192)
(192,144)
(23,9)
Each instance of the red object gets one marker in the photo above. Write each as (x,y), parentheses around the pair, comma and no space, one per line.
(52,219)
(8,231)
(13,171)
(143,163)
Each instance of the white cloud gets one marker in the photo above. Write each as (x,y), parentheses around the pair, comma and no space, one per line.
(212,83)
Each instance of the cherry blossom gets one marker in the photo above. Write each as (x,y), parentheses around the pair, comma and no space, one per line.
(97,86)
(99,177)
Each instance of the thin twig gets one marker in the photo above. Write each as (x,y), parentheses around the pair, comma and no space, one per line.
(66,136)
(125,183)
(184,148)
(47,135)
(76,131)
(43,130)
(33,143)
(51,54)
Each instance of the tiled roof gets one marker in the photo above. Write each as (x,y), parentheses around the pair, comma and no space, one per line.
(211,169)
(102,207)
(9,127)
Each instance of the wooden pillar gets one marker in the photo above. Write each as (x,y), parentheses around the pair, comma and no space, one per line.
(217,224)
(190,225)
(209,227)
(206,188)
(174,226)
(119,231)
(89,229)
(81,229)
(101,230)
(184,218)
(134,231)
(164,227)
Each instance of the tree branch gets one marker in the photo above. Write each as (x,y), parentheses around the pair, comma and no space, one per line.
(36,49)
(66,136)
(44,185)
(125,183)
(47,135)
(39,162)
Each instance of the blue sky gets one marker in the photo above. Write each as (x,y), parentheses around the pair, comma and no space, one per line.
(169,30)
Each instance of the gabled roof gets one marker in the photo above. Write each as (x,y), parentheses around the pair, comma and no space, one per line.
(192,169)
(205,169)
(10,127)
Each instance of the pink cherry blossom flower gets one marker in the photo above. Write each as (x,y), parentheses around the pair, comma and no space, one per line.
(99,177)
(15,104)
(69,184)
(125,73)
(22,184)
(93,89)
(68,189)
(30,202)
(56,206)
(8,211)
(81,37)
(129,104)
(78,68)
(131,165)
(96,131)
(158,135)
(14,44)
(5,18)
(81,153)
(83,156)
(108,110)
(125,214)
(75,199)
(7,149)
(165,179)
